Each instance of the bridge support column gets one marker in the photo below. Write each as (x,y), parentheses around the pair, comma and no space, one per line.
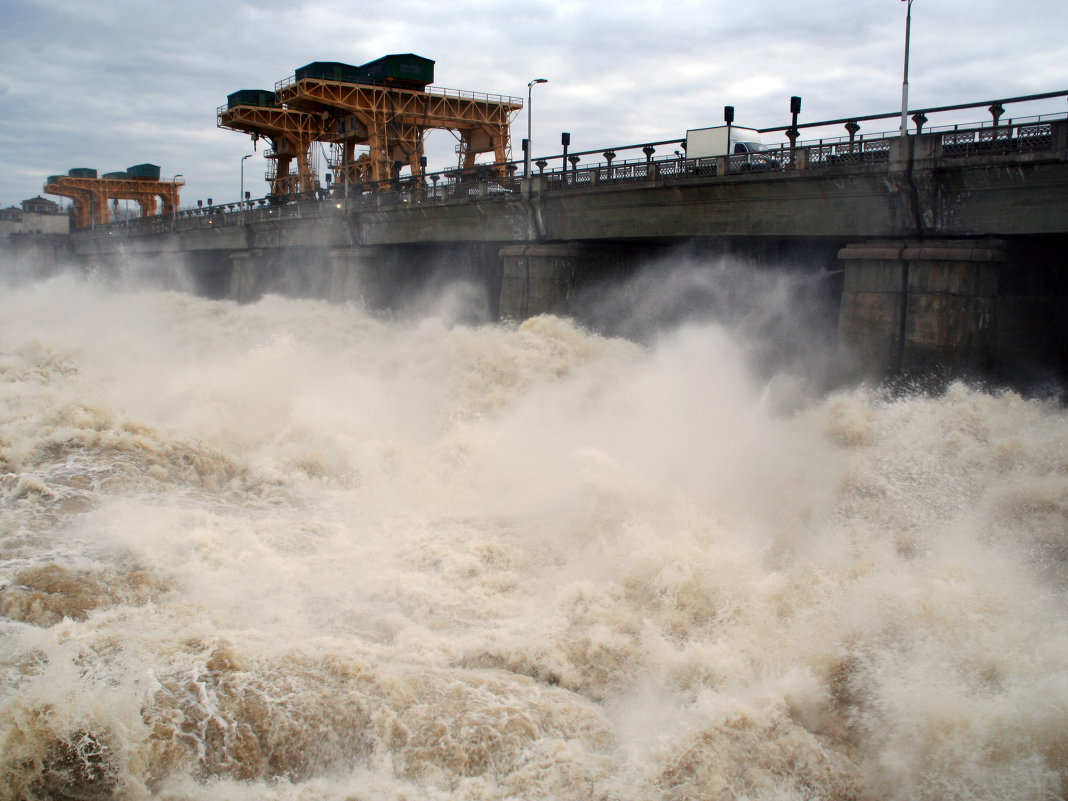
(356,275)
(922,304)
(246,276)
(537,279)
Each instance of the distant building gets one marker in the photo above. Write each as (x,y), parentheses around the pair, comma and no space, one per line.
(38,215)
(41,205)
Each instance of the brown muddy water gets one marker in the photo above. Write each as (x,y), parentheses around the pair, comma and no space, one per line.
(290,550)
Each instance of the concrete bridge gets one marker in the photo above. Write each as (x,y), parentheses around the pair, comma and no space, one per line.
(951,247)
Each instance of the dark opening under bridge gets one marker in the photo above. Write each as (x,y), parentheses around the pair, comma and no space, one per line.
(951,247)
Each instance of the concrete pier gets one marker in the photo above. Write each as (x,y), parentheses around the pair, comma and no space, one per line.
(246,280)
(538,279)
(966,306)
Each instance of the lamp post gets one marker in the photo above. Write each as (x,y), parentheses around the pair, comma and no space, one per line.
(242,196)
(905,82)
(174,200)
(792,133)
(530,141)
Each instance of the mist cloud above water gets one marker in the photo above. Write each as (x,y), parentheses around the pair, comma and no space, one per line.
(290,549)
(782,319)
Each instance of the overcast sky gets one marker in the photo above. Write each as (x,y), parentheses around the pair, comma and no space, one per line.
(89,83)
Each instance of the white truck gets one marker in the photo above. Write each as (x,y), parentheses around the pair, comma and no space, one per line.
(732,140)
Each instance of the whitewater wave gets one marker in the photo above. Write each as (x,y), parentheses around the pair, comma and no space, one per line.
(291,550)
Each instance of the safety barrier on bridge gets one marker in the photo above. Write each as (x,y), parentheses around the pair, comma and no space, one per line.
(1029,136)
(864,152)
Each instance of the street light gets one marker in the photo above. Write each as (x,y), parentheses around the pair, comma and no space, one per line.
(174,200)
(242,195)
(905,82)
(530,141)
(795,108)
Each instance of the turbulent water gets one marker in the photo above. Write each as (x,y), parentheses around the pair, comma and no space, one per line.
(293,550)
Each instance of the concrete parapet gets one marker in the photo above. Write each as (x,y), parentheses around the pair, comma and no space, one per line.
(1059,143)
(531,186)
(926,148)
(900,153)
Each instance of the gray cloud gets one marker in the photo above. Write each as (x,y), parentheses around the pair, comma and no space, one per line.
(112,84)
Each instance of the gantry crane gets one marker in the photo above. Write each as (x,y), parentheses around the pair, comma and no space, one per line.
(292,134)
(392,107)
(91,194)
(385,105)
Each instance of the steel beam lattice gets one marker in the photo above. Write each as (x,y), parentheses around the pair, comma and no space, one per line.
(292,134)
(91,196)
(395,120)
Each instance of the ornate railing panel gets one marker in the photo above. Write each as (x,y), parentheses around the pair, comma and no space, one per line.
(998,141)
(1032,138)
(863,152)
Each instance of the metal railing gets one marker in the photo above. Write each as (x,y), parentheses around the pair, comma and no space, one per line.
(920,116)
(480,97)
(862,152)
(997,141)
(1021,136)
(460,94)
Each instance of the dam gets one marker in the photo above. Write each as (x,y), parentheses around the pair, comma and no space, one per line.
(947,248)
(262,545)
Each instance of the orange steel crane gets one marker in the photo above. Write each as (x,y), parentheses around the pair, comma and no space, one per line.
(385,105)
(91,194)
(292,134)
(393,119)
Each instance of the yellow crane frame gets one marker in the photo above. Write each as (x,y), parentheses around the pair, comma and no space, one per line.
(91,196)
(392,120)
(292,134)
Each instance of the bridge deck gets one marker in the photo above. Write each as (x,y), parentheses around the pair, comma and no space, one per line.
(922,186)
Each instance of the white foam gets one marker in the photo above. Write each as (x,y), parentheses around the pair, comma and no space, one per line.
(385,559)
